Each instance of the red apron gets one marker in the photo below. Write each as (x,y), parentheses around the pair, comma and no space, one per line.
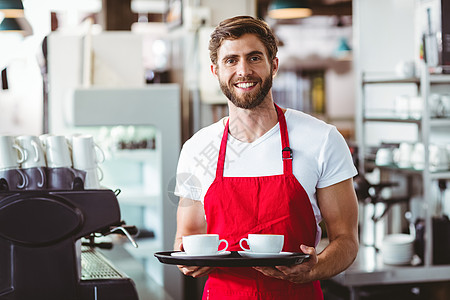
(278,204)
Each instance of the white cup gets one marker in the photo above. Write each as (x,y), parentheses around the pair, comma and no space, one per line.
(36,178)
(418,156)
(43,139)
(385,156)
(439,159)
(446,103)
(405,68)
(415,107)
(34,154)
(203,244)
(93,178)
(403,155)
(437,106)
(57,152)
(16,178)
(402,106)
(11,154)
(263,243)
(85,152)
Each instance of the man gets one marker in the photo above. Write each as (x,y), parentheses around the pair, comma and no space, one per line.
(265,170)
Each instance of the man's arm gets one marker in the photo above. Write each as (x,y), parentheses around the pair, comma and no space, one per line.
(339,208)
(190,220)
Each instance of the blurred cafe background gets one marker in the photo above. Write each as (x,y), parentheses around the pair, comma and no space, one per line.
(135,76)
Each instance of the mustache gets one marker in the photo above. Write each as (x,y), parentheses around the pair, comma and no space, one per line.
(247,78)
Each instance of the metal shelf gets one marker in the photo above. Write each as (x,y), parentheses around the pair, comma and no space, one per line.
(392,120)
(434,122)
(391,80)
(434,175)
(434,79)
(425,124)
(439,79)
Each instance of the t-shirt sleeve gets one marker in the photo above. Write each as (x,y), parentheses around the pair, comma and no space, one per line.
(335,161)
(187,185)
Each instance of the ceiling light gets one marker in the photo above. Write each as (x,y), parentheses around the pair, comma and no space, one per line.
(11,8)
(10,24)
(20,25)
(289,9)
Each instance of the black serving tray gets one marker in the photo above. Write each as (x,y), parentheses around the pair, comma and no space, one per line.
(234,259)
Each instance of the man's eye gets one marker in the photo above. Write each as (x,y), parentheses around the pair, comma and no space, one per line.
(230,61)
(254,58)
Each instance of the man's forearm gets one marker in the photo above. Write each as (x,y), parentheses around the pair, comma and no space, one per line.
(335,258)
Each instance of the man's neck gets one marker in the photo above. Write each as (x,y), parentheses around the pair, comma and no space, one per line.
(247,125)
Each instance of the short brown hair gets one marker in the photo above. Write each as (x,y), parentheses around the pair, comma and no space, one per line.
(234,28)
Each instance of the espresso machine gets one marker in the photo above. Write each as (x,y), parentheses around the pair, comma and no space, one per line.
(41,256)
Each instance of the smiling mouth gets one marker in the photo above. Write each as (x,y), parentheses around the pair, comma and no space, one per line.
(245,85)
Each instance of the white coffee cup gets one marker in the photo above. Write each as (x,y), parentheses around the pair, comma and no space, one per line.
(36,178)
(385,156)
(446,103)
(263,243)
(16,178)
(418,156)
(34,154)
(43,140)
(85,152)
(403,155)
(439,159)
(203,244)
(11,154)
(405,68)
(437,106)
(57,152)
(93,178)
(402,106)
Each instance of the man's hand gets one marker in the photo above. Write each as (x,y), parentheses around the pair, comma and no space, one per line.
(195,271)
(297,273)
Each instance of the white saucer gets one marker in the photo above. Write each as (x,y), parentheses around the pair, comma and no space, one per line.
(263,255)
(183,254)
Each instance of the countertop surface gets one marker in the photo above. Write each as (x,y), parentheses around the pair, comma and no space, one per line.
(369,269)
(146,287)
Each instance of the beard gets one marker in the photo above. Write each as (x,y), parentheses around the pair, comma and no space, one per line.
(248,100)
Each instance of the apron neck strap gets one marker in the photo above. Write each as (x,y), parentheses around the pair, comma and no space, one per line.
(223,149)
(286,153)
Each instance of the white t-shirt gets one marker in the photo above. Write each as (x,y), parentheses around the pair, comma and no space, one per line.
(321,157)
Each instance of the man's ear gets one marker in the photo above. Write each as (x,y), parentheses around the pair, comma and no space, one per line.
(214,70)
(275,66)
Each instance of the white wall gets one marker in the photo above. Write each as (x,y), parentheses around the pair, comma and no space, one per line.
(384,36)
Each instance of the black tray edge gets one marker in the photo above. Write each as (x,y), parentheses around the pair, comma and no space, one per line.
(231,260)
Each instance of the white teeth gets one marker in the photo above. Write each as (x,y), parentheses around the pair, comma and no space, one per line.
(245,85)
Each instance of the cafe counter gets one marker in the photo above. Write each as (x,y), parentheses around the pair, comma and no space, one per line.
(363,279)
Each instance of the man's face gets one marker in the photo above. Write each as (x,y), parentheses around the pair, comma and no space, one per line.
(244,71)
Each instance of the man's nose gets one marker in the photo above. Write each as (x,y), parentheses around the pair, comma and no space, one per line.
(243,68)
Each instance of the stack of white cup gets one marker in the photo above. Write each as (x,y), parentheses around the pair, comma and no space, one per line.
(11,156)
(86,156)
(59,161)
(34,162)
(50,161)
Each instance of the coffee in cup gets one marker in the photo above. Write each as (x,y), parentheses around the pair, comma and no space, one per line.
(263,243)
(203,244)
